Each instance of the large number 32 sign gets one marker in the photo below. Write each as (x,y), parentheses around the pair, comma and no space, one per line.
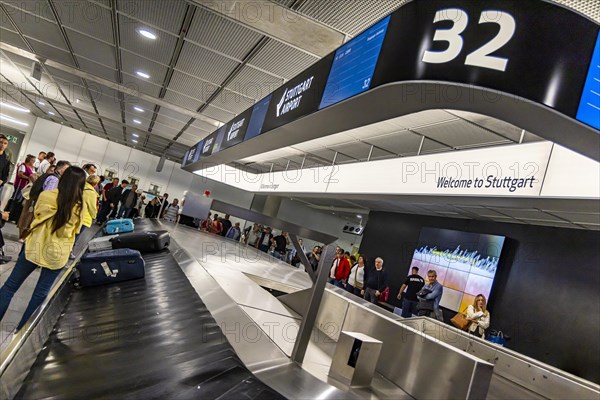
(480,57)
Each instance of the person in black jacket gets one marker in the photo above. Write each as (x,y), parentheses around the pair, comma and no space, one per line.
(4,163)
(376,281)
(114,196)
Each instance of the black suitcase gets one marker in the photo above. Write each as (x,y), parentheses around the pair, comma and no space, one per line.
(144,242)
(110,266)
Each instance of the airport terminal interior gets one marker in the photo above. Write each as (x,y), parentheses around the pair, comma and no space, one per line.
(300,199)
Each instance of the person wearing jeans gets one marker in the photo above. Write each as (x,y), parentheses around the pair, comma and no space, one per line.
(58,216)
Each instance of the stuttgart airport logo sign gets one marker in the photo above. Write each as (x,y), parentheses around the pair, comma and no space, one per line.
(292,97)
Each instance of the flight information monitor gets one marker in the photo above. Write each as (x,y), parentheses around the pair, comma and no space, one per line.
(259,112)
(354,64)
(589,106)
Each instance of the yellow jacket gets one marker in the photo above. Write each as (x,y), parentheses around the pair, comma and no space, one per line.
(90,199)
(44,247)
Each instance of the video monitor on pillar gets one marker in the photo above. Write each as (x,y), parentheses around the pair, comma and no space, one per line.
(466,263)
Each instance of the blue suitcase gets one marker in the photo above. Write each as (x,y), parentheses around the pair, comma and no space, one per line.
(119,226)
(110,266)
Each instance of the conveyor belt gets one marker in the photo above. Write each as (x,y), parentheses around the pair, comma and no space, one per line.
(149,338)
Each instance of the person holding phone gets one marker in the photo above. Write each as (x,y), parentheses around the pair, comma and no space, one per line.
(479,316)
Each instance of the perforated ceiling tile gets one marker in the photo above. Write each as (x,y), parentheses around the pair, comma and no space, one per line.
(204,64)
(36,27)
(349,16)
(13,39)
(169,123)
(166,15)
(182,101)
(218,114)
(231,101)
(254,83)
(282,60)
(141,85)
(422,118)
(203,126)
(52,53)
(132,63)
(173,115)
(221,34)
(86,17)
(460,134)
(5,22)
(91,49)
(159,50)
(97,69)
(590,8)
(399,143)
(500,127)
(192,87)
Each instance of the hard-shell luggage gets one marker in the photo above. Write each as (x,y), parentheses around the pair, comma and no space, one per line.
(101,244)
(119,226)
(110,266)
(145,242)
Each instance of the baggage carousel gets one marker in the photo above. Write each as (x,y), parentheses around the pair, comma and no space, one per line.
(146,338)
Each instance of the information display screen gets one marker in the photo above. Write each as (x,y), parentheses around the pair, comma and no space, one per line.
(212,143)
(589,106)
(465,263)
(259,112)
(354,65)
(236,129)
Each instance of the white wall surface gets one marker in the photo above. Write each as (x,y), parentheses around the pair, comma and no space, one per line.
(80,148)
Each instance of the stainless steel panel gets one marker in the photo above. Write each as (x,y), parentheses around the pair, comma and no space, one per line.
(360,374)
(332,313)
(421,365)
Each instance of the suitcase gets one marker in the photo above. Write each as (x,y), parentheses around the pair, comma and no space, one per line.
(101,243)
(144,242)
(119,226)
(110,266)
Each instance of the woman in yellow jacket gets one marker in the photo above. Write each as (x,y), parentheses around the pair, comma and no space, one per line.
(58,216)
(90,202)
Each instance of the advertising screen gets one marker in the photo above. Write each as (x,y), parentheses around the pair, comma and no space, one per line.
(259,112)
(589,105)
(465,263)
(354,64)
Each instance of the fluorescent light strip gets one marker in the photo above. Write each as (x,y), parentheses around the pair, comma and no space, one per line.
(14,121)
(137,121)
(14,107)
(51,113)
(139,109)
(134,141)
(135,135)
(142,74)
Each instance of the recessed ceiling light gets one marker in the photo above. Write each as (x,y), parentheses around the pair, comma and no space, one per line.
(147,34)
(41,103)
(51,113)
(138,109)
(359,216)
(142,74)
(135,135)
(137,121)
(134,141)
(14,121)
(78,100)
(14,107)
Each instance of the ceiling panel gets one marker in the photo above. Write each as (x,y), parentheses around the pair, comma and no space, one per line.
(167,15)
(199,62)
(174,115)
(188,141)
(579,218)
(159,50)
(398,143)
(350,17)
(35,27)
(204,126)
(254,83)
(52,53)
(502,128)
(221,34)
(282,60)
(548,223)
(218,114)
(141,85)
(329,155)
(96,21)
(357,150)
(182,101)
(12,38)
(460,134)
(233,102)
(97,69)
(169,123)
(527,214)
(132,62)
(91,49)
(192,87)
